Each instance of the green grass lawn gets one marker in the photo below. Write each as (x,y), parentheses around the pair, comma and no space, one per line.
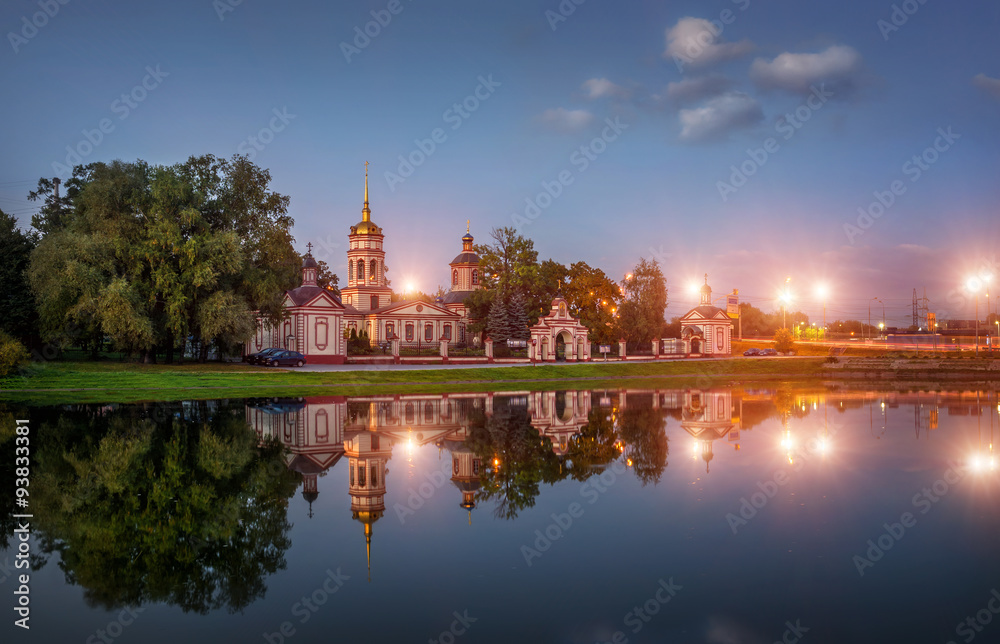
(112,381)
(109,381)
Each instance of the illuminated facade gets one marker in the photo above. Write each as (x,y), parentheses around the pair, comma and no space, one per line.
(317,320)
(706,329)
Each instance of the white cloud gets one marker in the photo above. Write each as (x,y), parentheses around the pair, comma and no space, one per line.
(720,116)
(691,90)
(989,85)
(839,67)
(564,120)
(602,88)
(697,42)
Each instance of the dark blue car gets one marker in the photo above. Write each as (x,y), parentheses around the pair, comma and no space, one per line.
(285,359)
(262,357)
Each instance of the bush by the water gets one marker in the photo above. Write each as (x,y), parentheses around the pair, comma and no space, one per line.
(13,355)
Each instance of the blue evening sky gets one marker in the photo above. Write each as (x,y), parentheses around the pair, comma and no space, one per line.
(693,104)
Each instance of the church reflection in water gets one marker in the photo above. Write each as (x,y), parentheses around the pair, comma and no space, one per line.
(581,432)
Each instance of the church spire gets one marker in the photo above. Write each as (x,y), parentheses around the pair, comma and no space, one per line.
(366,213)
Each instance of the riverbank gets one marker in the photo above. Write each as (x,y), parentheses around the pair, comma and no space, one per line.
(63,382)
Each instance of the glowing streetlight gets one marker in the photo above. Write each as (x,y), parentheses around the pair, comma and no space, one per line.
(785,297)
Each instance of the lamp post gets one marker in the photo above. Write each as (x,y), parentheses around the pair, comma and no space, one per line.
(822,291)
(784,302)
(874,299)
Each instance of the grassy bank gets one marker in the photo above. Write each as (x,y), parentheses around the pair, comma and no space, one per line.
(120,382)
(68,382)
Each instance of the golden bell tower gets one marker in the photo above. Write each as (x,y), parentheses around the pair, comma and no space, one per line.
(367,288)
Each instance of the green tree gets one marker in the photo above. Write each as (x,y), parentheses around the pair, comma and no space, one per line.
(13,354)
(593,298)
(518,459)
(20,318)
(177,499)
(511,261)
(153,256)
(325,278)
(644,300)
(642,430)
(783,341)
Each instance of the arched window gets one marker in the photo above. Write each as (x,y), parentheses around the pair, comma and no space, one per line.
(428,332)
(409,332)
(454,278)
(361,269)
(373,272)
(475,276)
(350,271)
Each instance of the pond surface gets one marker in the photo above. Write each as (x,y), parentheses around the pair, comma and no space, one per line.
(713,515)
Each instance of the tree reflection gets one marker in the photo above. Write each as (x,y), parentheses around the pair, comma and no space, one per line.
(517,458)
(596,446)
(641,427)
(173,503)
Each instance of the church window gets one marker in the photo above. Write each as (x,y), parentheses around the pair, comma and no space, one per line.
(447,332)
(454,278)
(361,475)
(375,476)
(350,270)
(455,466)
(361,269)
(475,276)
(409,332)
(390,330)
(461,333)
(352,476)
(409,412)
(429,332)
(475,465)
(374,301)
(373,271)
(428,412)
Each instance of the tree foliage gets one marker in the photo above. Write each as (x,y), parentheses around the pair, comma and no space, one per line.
(153,255)
(783,341)
(644,300)
(178,500)
(19,317)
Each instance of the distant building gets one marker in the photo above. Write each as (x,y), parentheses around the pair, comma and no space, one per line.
(707,329)
(317,320)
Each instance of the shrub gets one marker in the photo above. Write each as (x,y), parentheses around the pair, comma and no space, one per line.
(783,342)
(13,355)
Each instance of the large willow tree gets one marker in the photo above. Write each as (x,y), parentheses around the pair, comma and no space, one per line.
(151,256)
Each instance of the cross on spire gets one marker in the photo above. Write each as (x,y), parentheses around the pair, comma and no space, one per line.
(310,247)
(468,222)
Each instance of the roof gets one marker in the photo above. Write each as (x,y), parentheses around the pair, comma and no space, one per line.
(366,228)
(708,312)
(309,262)
(466,258)
(456,297)
(304,294)
(434,308)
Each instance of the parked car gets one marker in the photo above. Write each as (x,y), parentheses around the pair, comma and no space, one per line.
(768,352)
(752,352)
(286,358)
(262,356)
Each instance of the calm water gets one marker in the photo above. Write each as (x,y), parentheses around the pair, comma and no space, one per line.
(718,515)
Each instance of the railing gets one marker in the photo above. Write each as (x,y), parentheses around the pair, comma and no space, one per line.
(419,349)
(463,350)
(639,348)
(360,348)
(503,351)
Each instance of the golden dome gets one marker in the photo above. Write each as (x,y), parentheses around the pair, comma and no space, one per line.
(366,227)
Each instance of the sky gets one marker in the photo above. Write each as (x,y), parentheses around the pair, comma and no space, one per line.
(852,144)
